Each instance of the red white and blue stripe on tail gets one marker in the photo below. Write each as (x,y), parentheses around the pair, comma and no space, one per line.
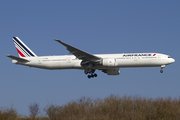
(22,49)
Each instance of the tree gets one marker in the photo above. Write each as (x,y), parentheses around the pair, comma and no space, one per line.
(34,110)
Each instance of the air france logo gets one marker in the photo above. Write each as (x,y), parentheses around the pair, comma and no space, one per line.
(131,55)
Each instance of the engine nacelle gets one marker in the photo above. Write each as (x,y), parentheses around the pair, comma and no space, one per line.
(114,71)
(108,62)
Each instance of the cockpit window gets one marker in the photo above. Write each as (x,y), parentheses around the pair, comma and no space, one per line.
(169,57)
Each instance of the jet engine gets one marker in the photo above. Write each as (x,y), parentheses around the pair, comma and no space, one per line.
(108,62)
(114,71)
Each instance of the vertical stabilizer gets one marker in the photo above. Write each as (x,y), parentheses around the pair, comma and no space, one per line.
(22,49)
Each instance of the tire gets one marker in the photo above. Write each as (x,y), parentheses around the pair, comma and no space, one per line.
(95,75)
(89,76)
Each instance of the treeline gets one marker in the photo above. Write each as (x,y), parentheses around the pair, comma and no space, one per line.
(110,108)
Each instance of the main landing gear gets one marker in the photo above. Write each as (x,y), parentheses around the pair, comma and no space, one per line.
(91,72)
(92,75)
(162,66)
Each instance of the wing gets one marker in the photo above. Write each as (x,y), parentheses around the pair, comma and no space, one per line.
(79,53)
(17,58)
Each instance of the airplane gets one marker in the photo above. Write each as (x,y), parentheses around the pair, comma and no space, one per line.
(107,63)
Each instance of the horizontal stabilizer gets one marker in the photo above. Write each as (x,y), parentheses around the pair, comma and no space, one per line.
(17,58)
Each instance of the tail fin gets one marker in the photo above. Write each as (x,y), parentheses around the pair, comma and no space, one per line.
(22,49)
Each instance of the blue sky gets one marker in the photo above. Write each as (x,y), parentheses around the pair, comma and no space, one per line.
(96,27)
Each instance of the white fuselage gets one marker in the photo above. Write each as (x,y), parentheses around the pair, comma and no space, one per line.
(108,61)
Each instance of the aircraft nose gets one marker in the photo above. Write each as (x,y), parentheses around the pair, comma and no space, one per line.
(171,60)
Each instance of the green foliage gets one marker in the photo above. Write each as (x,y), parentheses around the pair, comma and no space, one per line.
(110,108)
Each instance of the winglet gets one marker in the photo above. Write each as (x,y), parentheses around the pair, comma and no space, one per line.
(56,39)
(60,42)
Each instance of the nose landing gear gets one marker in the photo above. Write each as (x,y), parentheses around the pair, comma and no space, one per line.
(162,66)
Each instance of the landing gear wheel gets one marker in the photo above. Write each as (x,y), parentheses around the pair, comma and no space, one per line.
(92,75)
(90,72)
(95,75)
(89,76)
(162,66)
